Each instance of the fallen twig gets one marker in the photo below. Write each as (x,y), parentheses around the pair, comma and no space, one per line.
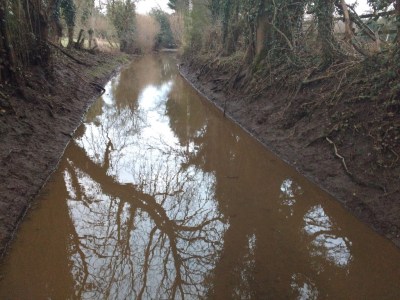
(69,55)
(397,157)
(316,79)
(390,193)
(355,179)
(337,88)
(338,155)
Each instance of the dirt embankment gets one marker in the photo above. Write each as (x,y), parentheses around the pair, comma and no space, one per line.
(340,127)
(36,122)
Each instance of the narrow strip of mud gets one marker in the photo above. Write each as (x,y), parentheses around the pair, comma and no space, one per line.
(37,121)
(305,146)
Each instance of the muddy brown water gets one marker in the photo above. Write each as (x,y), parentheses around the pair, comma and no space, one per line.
(159,196)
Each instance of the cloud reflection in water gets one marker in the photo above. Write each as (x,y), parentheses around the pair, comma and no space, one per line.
(327,241)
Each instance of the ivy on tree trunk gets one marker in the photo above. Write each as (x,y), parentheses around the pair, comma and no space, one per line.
(324,14)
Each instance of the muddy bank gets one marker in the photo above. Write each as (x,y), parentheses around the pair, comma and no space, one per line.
(37,121)
(345,142)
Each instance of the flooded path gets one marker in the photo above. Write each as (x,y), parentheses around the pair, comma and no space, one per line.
(160,197)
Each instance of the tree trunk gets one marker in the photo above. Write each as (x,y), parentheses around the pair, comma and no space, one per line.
(81,38)
(37,48)
(251,47)
(261,31)
(226,39)
(348,32)
(55,26)
(71,36)
(397,8)
(123,45)
(324,12)
(90,38)
(37,19)
(215,8)
(7,56)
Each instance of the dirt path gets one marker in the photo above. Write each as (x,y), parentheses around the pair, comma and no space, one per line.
(342,162)
(36,123)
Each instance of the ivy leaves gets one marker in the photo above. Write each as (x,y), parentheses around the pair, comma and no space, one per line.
(68,9)
(380,4)
(65,8)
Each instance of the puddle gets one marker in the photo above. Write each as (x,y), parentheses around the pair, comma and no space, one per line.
(160,197)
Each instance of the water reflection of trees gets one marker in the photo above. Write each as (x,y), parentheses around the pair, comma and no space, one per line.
(149,245)
(265,215)
(275,244)
(150,234)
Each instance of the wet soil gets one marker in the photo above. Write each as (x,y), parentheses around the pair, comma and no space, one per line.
(339,131)
(37,121)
